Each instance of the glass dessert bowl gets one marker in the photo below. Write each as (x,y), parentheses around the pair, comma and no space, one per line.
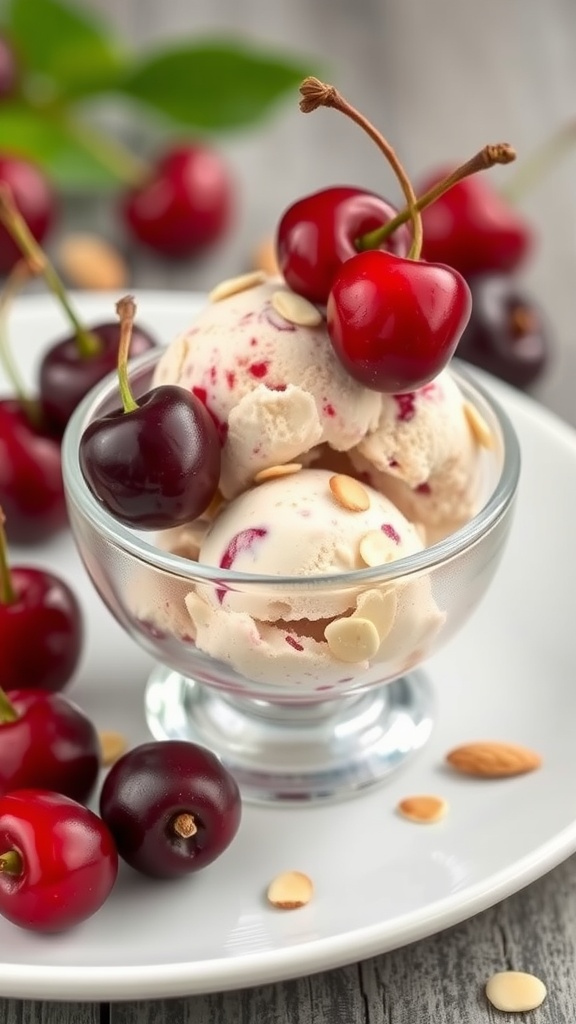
(308,685)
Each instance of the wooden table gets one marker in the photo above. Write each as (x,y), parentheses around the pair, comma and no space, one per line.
(441,78)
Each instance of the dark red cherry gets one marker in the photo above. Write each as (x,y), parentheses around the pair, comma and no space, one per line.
(507,334)
(394,323)
(318,233)
(155,466)
(31,488)
(473,229)
(171,806)
(35,199)
(186,203)
(66,375)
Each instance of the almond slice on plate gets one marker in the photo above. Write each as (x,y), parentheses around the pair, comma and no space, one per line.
(290,890)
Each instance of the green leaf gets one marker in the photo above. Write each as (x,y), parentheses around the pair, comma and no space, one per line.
(63,44)
(213,84)
(54,147)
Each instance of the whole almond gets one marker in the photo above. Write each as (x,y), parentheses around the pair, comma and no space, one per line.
(112,745)
(493,760)
(90,262)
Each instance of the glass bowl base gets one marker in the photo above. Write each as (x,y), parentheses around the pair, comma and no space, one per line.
(296,752)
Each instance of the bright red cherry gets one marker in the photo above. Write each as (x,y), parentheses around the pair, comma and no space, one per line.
(185,205)
(34,198)
(394,323)
(318,233)
(41,627)
(58,862)
(507,333)
(47,741)
(31,488)
(473,229)
(172,807)
(66,375)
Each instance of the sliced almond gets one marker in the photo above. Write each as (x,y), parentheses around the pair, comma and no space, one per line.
(272,472)
(290,890)
(375,549)
(112,746)
(425,810)
(349,493)
(352,639)
(265,257)
(296,309)
(515,991)
(91,262)
(233,285)
(492,760)
(480,430)
(379,607)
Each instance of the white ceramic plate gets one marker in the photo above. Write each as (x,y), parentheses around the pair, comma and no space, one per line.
(380,881)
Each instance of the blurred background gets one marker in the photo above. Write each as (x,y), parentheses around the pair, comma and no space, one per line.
(441,78)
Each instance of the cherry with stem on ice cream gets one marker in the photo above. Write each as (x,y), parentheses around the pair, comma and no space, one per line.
(31,486)
(394,322)
(318,233)
(184,204)
(71,367)
(47,741)
(154,463)
(507,333)
(58,861)
(33,198)
(172,807)
(41,626)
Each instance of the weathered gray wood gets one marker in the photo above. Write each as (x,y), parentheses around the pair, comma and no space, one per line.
(13,1011)
(441,78)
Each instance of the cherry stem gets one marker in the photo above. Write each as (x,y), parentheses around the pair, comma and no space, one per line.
(19,275)
(110,153)
(8,712)
(7,592)
(11,863)
(496,153)
(537,165)
(13,221)
(184,825)
(316,94)
(126,310)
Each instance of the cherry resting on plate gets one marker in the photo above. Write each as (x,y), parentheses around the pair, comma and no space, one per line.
(155,463)
(185,204)
(67,375)
(319,232)
(172,807)
(58,862)
(31,487)
(46,741)
(394,323)
(33,197)
(473,229)
(507,333)
(41,627)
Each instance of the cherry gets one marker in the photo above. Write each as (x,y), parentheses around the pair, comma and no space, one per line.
(66,375)
(58,862)
(394,323)
(9,69)
(41,627)
(507,333)
(71,367)
(156,463)
(34,199)
(45,740)
(31,488)
(473,229)
(319,232)
(172,807)
(184,205)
